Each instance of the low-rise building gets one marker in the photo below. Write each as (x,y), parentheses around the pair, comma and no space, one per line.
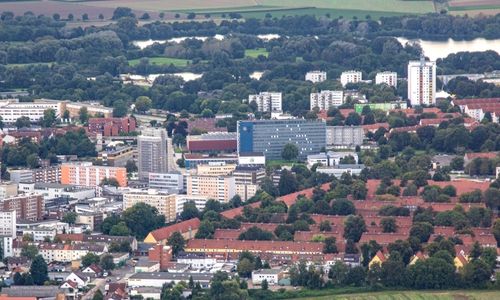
(12,109)
(212,142)
(62,252)
(39,234)
(215,169)
(157,279)
(147,266)
(330,158)
(8,190)
(272,276)
(112,126)
(187,228)
(57,190)
(92,219)
(193,160)
(338,170)
(92,109)
(385,106)
(116,156)
(178,268)
(171,182)
(161,254)
(251,158)
(196,260)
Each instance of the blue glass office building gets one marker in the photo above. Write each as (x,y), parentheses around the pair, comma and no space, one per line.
(269,136)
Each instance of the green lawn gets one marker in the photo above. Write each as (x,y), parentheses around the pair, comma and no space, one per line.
(256,52)
(221,10)
(474,7)
(414,295)
(23,65)
(178,62)
(282,162)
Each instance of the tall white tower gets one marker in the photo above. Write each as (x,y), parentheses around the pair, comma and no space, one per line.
(421,82)
(152,151)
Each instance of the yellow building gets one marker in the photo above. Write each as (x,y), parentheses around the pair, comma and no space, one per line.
(379,258)
(220,188)
(187,228)
(165,203)
(215,170)
(416,257)
(460,261)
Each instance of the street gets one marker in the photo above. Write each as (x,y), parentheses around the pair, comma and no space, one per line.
(123,273)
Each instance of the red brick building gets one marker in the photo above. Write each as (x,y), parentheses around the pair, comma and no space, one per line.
(162,254)
(27,206)
(111,126)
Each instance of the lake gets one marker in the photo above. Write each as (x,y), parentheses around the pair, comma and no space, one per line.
(440,49)
(144,44)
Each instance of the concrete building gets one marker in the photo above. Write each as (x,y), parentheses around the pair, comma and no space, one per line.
(267,102)
(8,190)
(171,182)
(86,174)
(344,136)
(272,276)
(215,169)
(116,156)
(39,233)
(338,170)
(330,158)
(112,126)
(92,108)
(27,206)
(247,180)
(316,76)
(63,252)
(422,82)
(56,190)
(350,77)
(145,279)
(220,188)
(152,150)
(165,203)
(199,201)
(92,219)
(8,221)
(161,254)
(251,158)
(269,136)
(194,160)
(212,142)
(326,99)
(12,109)
(389,78)
(40,175)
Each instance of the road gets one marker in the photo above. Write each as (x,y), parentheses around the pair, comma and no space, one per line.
(123,273)
(171,161)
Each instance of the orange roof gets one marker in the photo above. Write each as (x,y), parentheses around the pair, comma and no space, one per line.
(72,237)
(17,298)
(382,238)
(17,269)
(440,207)
(306,236)
(254,246)
(490,155)
(165,232)
(375,127)
(462,259)
(400,221)
(308,193)
(230,214)
(381,256)
(323,114)
(346,112)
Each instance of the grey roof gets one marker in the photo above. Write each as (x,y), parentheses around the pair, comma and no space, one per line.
(251,154)
(43,291)
(267,271)
(54,185)
(443,160)
(145,263)
(190,255)
(361,166)
(172,276)
(179,266)
(107,238)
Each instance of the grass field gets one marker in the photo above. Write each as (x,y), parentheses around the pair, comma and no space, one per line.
(415,295)
(319,12)
(179,62)
(474,7)
(256,52)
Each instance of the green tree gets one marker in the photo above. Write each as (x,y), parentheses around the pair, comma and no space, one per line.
(111,181)
(22,122)
(288,183)
(143,103)
(343,207)
(131,166)
(330,246)
(388,224)
(107,262)
(89,259)
(98,295)
(354,228)
(492,198)
(189,211)
(119,109)
(142,218)
(39,271)
(325,226)
(177,242)
(290,151)
(83,114)
(69,218)
(422,230)
(49,117)
(120,229)
(264,285)
(30,251)
(108,223)
(85,17)
(32,160)
(245,267)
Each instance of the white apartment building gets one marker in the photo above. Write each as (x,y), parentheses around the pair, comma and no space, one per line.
(326,99)
(63,252)
(267,102)
(421,82)
(344,135)
(152,149)
(316,76)
(8,221)
(181,199)
(389,78)
(12,109)
(39,233)
(350,77)
(220,188)
(172,182)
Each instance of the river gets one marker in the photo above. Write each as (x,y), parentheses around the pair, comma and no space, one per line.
(144,44)
(440,49)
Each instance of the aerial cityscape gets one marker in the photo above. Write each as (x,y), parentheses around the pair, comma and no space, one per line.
(171,150)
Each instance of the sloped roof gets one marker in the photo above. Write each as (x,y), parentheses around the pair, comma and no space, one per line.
(185,226)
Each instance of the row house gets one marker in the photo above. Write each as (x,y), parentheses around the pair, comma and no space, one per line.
(63,252)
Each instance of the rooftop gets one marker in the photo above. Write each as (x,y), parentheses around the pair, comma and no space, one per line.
(172,276)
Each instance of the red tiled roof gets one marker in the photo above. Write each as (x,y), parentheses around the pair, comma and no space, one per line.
(383,238)
(462,259)
(165,232)
(406,128)
(306,236)
(230,214)
(490,155)
(72,237)
(291,198)
(440,207)
(381,256)
(255,246)
(346,112)
(375,127)
(400,221)
(71,283)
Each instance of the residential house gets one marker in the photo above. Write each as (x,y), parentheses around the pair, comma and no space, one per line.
(147,266)
(460,260)
(416,257)
(196,260)
(68,284)
(79,278)
(93,269)
(378,258)
(13,262)
(187,228)
(157,279)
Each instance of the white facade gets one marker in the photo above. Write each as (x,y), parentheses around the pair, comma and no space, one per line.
(272,276)
(146,279)
(330,158)
(252,158)
(196,260)
(350,77)
(39,233)
(152,149)
(338,170)
(181,199)
(172,181)
(11,111)
(389,78)
(421,82)
(316,76)
(8,223)
(267,102)
(344,135)
(17,176)
(56,190)
(326,99)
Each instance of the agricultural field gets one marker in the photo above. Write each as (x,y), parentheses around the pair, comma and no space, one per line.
(166,5)
(474,7)
(256,52)
(415,295)
(319,12)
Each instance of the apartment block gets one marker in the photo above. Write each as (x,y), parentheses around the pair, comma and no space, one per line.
(86,174)
(215,169)
(197,200)
(8,190)
(12,109)
(63,252)
(116,156)
(421,82)
(350,77)
(8,221)
(269,136)
(40,175)
(57,190)
(91,219)
(316,76)
(248,174)
(152,150)
(344,135)
(112,126)
(389,78)
(326,99)
(220,188)
(27,206)
(267,102)
(385,106)
(171,182)
(165,203)
(212,142)
(39,233)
